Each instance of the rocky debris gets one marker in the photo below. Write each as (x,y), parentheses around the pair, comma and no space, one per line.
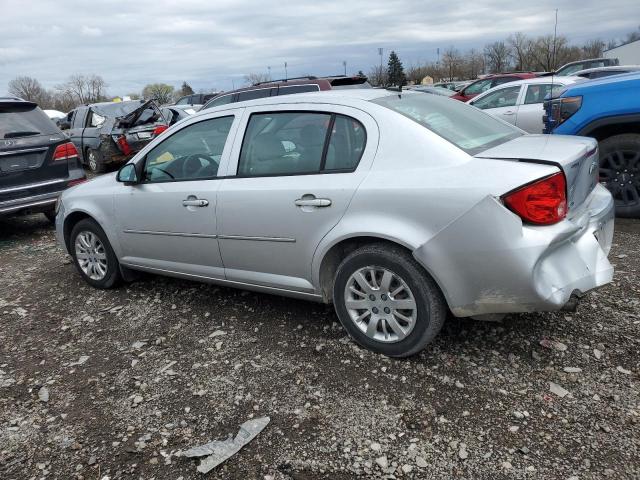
(43,394)
(558,390)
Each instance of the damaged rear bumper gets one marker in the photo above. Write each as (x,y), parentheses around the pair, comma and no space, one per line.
(488,262)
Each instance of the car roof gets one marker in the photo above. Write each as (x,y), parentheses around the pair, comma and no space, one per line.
(611,68)
(560,79)
(613,79)
(325,96)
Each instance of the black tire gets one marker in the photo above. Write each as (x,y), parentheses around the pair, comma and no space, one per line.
(51,216)
(431,309)
(620,171)
(95,162)
(112,277)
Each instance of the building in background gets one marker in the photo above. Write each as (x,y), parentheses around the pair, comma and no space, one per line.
(627,53)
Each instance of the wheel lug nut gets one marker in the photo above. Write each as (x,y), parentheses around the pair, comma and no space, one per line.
(374,310)
(384,297)
(372,297)
(387,310)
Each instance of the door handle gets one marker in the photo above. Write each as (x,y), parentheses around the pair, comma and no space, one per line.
(195,202)
(313,202)
(509,112)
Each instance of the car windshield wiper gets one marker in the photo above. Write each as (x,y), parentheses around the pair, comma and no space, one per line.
(25,133)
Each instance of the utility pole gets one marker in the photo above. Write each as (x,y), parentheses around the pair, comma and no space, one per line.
(344,64)
(380,50)
(286,75)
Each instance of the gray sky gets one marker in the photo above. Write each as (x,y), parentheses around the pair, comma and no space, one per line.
(211,44)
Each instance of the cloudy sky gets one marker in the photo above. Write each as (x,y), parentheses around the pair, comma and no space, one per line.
(213,44)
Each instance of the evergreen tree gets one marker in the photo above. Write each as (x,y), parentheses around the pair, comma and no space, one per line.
(395,71)
(186,89)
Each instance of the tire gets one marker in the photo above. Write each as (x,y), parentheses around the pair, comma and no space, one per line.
(426,318)
(620,171)
(51,216)
(95,162)
(104,256)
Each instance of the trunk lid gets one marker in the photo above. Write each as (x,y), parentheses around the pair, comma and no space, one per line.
(146,114)
(577,157)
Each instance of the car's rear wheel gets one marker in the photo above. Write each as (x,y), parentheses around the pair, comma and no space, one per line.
(386,302)
(93,256)
(95,161)
(620,172)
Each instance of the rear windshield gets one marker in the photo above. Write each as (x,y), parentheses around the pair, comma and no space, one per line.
(465,126)
(349,82)
(23,121)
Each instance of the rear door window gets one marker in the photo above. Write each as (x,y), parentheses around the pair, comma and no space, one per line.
(536,93)
(221,100)
(505,97)
(478,87)
(346,145)
(23,121)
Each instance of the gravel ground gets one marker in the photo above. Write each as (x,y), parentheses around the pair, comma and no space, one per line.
(138,374)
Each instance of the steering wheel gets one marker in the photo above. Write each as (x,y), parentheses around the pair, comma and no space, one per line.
(192,164)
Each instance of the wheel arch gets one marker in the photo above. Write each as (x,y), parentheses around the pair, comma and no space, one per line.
(329,259)
(73,218)
(603,128)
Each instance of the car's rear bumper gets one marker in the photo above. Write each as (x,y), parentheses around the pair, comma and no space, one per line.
(488,262)
(33,203)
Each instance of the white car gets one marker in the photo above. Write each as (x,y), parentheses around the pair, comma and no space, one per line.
(521,103)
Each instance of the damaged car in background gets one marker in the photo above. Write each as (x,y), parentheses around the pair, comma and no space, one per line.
(396,208)
(110,133)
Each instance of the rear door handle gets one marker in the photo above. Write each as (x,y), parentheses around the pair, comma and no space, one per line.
(313,202)
(509,112)
(195,202)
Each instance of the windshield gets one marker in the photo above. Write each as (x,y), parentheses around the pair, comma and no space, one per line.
(18,120)
(465,126)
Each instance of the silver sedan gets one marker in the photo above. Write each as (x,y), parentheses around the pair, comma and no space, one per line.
(395,207)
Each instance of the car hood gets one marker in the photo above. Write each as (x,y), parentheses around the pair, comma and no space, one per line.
(95,186)
(577,157)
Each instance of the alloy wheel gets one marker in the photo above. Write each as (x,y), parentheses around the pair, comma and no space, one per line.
(620,172)
(93,162)
(380,304)
(91,255)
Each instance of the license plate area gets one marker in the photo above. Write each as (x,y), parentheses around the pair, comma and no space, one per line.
(144,135)
(17,163)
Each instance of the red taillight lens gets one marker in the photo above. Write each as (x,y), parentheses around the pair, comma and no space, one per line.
(159,129)
(65,151)
(543,202)
(124,145)
(77,181)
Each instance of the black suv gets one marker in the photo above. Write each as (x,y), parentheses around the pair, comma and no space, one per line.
(37,161)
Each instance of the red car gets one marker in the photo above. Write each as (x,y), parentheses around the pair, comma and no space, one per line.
(490,81)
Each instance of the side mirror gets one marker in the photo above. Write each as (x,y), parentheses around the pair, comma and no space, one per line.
(127,174)
(64,125)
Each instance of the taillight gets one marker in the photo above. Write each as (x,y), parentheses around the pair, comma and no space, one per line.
(65,151)
(159,129)
(77,181)
(564,107)
(124,145)
(543,202)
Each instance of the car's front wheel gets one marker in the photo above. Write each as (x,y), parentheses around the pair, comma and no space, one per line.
(93,256)
(386,302)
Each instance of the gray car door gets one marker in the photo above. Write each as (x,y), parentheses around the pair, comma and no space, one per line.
(295,174)
(167,222)
(531,110)
(501,102)
(77,126)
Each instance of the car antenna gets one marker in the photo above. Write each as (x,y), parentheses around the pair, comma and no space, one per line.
(555,36)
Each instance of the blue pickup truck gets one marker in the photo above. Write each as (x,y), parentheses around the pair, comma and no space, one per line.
(608,110)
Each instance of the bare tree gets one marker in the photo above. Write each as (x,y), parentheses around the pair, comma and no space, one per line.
(452,63)
(378,76)
(84,88)
(253,78)
(521,51)
(593,48)
(160,92)
(29,89)
(415,73)
(498,54)
(473,64)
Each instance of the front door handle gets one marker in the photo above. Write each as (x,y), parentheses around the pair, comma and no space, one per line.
(313,202)
(509,112)
(195,202)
